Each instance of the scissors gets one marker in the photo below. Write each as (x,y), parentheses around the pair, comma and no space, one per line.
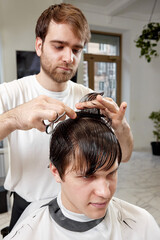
(50,126)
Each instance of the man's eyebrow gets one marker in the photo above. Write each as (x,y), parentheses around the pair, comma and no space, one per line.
(67,43)
(114,170)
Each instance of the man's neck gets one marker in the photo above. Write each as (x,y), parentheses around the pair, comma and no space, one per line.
(49,84)
(67,223)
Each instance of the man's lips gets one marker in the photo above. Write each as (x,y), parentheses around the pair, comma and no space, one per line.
(99,204)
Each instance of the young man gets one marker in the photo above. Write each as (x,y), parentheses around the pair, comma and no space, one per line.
(85,155)
(61,32)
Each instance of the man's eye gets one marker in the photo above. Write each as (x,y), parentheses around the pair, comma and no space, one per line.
(113,173)
(84,177)
(76,51)
(91,177)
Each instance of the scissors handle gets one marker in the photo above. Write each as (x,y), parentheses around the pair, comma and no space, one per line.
(51,124)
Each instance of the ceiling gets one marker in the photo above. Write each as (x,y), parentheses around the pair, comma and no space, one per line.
(133,9)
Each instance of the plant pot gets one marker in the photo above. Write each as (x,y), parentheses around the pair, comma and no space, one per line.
(155,148)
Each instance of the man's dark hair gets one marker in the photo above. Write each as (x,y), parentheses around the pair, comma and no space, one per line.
(87,142)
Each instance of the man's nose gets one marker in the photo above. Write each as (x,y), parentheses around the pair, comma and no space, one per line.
(102,188)
(68,55)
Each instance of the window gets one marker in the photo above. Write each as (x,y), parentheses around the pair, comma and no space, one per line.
(102,64)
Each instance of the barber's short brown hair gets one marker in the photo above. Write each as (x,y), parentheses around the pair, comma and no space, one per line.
(63,13)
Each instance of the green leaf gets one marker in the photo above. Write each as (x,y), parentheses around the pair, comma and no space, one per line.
(148,40)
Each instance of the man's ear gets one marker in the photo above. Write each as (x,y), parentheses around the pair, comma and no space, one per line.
(38,46)
(55,173)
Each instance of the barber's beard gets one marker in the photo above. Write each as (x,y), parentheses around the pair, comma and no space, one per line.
(56,74)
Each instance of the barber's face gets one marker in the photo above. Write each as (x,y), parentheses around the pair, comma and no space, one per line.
(89,196)
(60,52)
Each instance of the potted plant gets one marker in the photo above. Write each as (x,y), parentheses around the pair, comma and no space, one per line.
(155,117)
(148,40)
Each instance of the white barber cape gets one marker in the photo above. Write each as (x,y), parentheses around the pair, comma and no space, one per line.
(123,221)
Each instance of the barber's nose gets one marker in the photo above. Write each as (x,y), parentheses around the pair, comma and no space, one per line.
(68,55)
(102,188)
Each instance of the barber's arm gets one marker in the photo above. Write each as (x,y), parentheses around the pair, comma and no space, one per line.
(32,114)
(117,115)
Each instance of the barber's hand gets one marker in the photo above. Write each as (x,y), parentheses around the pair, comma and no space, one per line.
(32,114)
(108,108)
(117,114)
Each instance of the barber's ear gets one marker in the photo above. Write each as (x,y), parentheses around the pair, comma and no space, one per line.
(55,173)
(38,46)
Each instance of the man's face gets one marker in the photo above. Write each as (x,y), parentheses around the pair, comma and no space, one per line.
(60,53)
(89,196)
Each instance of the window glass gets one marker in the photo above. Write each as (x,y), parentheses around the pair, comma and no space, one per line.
(105,78)
(103,44)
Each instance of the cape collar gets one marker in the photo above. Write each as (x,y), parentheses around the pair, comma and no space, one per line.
(68,223)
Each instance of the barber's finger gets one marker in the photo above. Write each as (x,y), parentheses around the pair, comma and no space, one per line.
(122,110)
(89,104)
(41,127)
(70,112)
(48,103)
(100,103)
(53,116)
(60,108)
(108,103)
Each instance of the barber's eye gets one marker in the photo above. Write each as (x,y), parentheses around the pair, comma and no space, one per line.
(59,47)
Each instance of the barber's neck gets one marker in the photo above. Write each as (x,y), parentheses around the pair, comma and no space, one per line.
(49,84)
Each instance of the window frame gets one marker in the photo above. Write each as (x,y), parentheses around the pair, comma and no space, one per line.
(92,58)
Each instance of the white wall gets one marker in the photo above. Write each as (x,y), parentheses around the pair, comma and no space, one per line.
(17,29)
(140,80)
